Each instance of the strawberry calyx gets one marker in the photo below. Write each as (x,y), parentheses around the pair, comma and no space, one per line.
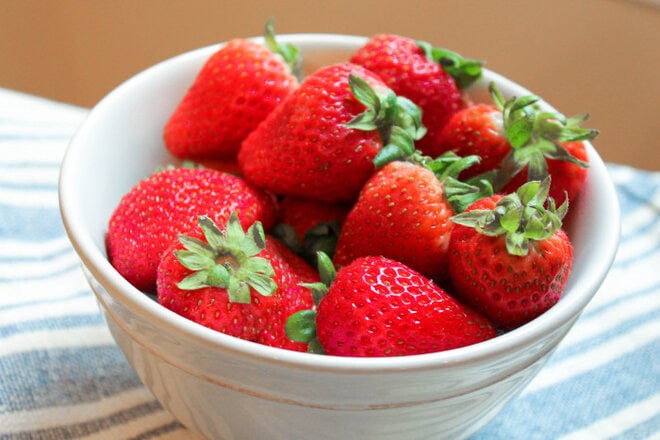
(322,237)
(521,217)
(289,53)
(465,71)
(228,259)
(460,194)
(301,326)
(534,136)
(397,119)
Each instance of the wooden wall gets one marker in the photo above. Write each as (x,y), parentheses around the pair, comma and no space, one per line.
(596,56)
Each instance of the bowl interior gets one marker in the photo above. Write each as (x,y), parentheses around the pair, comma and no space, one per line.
(120,143)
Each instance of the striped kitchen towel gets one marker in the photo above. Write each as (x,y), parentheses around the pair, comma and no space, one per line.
(62,376)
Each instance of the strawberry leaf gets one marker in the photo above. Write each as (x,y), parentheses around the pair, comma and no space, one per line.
(397,119)
(254,241)
(327,274)
(520,217)
(194,281)
(327,270)
(262,283)
(535,136)
(496,95)
(193,260)
(409,118)
(195,245)
(227,260)
(464,71)
(510,220)
(211,232)
(460,194)
(319,290)
(234,232)
(389,153)
(289,52)
(518,132)
(364,93)
(238,291)
(402,140)
(301,326)
(516,244)
(260,266)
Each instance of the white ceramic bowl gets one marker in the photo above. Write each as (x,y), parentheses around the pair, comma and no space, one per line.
(226,388)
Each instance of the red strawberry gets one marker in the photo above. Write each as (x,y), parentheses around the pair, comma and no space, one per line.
(243,284)
(510,259)
(476,129)
(403,212)
(517,141)
(321,142)
(235,90)
(430,77)
(379,307)
(149,217)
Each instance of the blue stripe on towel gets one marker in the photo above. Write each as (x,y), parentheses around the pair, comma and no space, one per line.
(50,323)
(45,378)
(95,425)
(579,402)
(30,223)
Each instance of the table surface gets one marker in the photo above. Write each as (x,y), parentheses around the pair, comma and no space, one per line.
(62,376)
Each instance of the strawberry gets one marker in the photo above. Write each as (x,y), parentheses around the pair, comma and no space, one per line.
(321,142)
(517,141)
(149,217)
(238,86)
(476,130)
(307,226)
(430,77)
(241,283)
(404,211)
(567,176)
(380,307)
(510,259)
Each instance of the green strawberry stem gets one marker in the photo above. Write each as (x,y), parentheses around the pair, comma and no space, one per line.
(520,217)
(289,52)
(228,259)
(464,71)
(534,136)
(301,326)
(397,119)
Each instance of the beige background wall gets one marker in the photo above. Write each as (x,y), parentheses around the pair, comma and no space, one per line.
(596,56)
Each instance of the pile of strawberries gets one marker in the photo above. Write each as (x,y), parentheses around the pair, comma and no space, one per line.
(368,209)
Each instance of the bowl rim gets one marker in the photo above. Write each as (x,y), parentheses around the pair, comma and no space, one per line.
(94,259)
